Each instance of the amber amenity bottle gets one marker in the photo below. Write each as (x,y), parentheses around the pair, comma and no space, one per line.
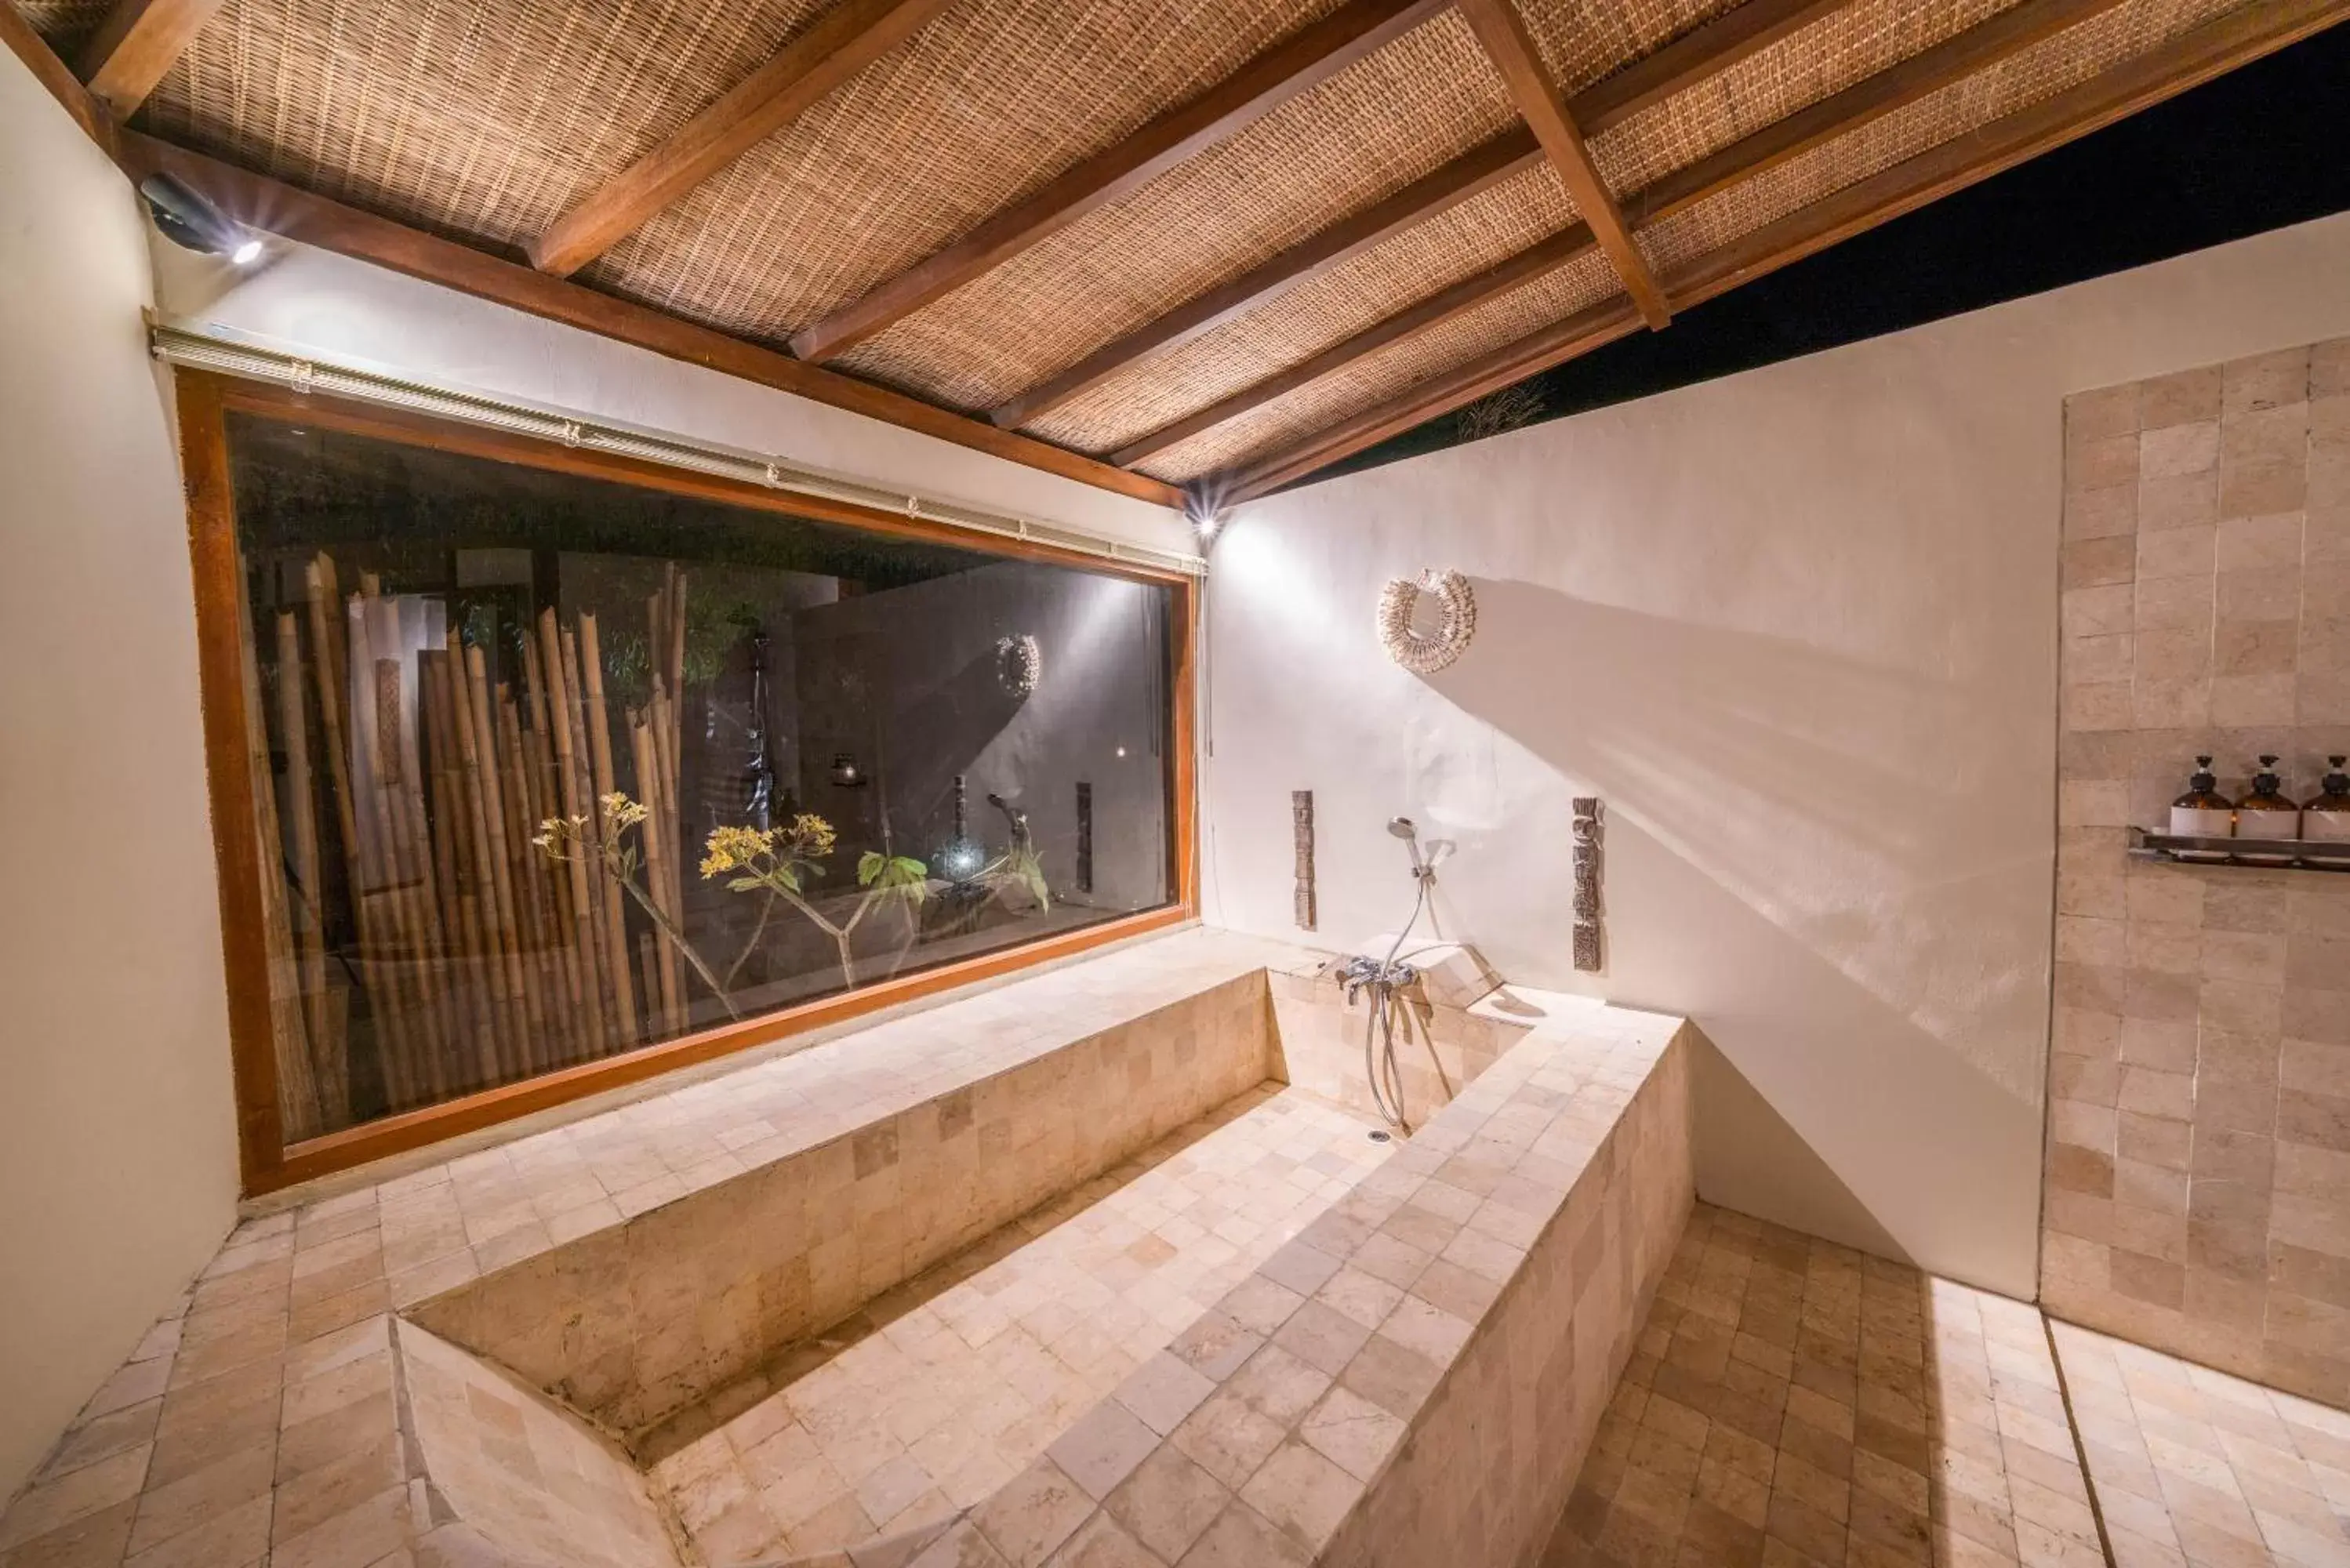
(2202,812)
(2266,814)
(2325,819)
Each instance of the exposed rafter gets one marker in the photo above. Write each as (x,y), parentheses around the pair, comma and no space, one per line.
(135,47)
(1303,62)
(1715,46)
(831,50)
(266,204)
(34,51)
(1568,245)
(1479,169)
(1691,59)
(1985,44)
(1507,44)
(2186,61)
(1513,362)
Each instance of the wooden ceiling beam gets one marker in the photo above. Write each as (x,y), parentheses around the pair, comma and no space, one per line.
(2187,61)
(272,207)
(1904,82)
(1689,59)
(1474,171)
(1513,362)
(34,51)
(1568,245)
(1984,44)
(1502,33)
(830,51)
(1678,66)
(135,45)
(1294,67)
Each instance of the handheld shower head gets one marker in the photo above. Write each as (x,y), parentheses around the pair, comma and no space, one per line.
(1403,827)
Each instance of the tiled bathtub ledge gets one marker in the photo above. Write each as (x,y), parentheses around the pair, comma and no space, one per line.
(1416,1378)
(282,1414)
(640,1317)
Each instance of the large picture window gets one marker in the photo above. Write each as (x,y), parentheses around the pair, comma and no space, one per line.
(554,767)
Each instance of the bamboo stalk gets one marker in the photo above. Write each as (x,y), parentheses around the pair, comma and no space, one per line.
(494,934)
(327,634)
(538,1001)
(459,876)
(446,1011)
(666,892)
(600,910)
(645,750)
(545,800)
(330,1076)
(675,581)
(435,1068)
(543,797)
(531,1026)
(599,751)
(651,973)
(298,1089)
(401,1083)
(411,859)
(584,926)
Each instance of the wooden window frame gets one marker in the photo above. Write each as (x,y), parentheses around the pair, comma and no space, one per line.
(267,1161)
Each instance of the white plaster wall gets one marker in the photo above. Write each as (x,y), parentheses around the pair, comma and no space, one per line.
(1798,629)
(118,1153)
(358,312)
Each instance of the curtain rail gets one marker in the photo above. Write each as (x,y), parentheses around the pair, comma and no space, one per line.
(211,348)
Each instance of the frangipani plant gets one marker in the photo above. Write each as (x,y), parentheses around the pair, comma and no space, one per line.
(603,843)
(781,861)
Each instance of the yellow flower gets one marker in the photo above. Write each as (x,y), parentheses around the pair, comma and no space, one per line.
(810,835)
(731,848)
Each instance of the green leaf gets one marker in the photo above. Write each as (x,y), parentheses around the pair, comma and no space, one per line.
(745,883)
(868,867)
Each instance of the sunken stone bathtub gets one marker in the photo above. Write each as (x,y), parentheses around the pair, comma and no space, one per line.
(1072,1272)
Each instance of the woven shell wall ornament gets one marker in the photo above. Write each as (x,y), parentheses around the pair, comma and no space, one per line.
(1425,653)
(1019,664)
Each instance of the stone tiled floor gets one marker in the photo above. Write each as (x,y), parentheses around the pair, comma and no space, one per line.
(256,1424)
(944,1390)
(1792,1402)
(2195,1468)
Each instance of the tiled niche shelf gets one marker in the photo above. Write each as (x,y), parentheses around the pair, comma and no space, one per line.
(2305,855)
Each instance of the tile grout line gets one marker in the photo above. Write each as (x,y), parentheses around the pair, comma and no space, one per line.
(2080,1449)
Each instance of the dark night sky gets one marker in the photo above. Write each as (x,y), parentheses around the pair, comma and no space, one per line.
(2263,147)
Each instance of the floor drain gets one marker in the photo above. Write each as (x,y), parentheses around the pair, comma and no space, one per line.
(1381,1136)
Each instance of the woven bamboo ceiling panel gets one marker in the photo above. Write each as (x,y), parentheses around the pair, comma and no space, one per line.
(1471,237)
(985,105)
(1373,235)
(1268,187)
(1375,375)
(2013,84)
(1827,57)
(479,120)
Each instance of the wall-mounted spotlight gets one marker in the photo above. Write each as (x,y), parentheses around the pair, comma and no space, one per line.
(188,220)
(1205,507)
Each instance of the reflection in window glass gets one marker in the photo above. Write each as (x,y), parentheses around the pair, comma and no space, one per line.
(560,767)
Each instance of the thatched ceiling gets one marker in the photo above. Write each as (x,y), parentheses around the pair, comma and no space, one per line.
(485,122)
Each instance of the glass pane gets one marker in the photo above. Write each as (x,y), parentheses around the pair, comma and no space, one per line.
(560,766)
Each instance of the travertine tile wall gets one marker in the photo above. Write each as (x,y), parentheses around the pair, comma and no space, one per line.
(632,1323)
(2199,1157)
